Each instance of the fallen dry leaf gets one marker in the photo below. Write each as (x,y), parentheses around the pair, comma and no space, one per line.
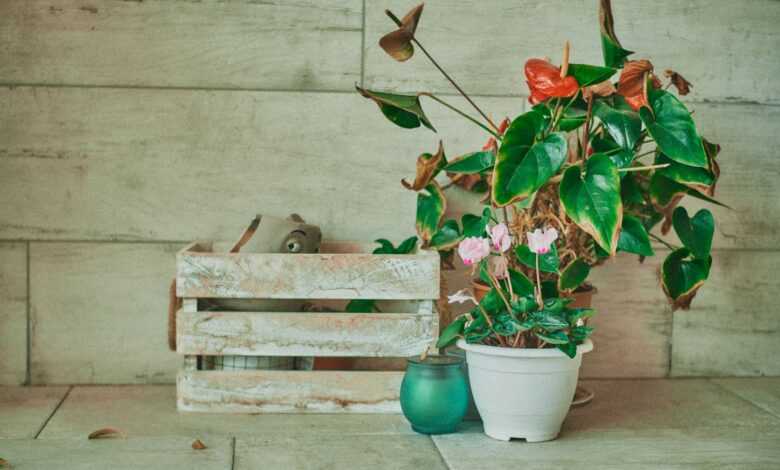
(4,463)
(197,444)
(107,433)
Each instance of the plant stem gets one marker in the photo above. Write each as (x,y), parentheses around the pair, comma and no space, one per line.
(642,168)
(453,108)
(446,75)
(539,299)
(661,240)
(586,136)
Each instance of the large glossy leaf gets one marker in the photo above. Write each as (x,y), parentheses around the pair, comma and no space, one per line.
(695,232)
(693,176)
(682,276)
(591,198)
(548,262)
(614,54)
(447,237)
(673,129)
(518,139)
(573,275)
(664,191)
(475,162)
(401,109)
(430,209)
(518,176)
(623,125)
(634,238)
(590,74)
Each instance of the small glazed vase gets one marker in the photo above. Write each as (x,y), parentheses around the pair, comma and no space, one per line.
(434,394)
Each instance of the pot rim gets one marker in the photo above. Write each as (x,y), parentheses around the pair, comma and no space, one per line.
(585,347)
(436,360)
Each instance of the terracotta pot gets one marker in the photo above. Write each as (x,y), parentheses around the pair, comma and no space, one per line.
(583,296)
(480,289)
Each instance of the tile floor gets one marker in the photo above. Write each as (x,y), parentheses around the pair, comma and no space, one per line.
(631,424)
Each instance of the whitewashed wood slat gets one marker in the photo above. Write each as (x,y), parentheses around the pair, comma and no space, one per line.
(727,49)
(189,164)
(99,313)
(289,391)
(733,327)
(306,45)
(13,313)
(305,334)
(307,276)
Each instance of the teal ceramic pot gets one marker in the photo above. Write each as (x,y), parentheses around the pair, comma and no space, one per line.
(434,394)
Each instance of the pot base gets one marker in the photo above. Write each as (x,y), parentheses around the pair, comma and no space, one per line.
(429,431)
(501,436)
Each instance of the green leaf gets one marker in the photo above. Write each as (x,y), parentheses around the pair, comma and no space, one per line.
(570,349)
(663,191)
(506,325)
(386,247)
(634,237)
(573,275)
(447,236)
(524,303)
(402,109)
(682,276)
(672,127)
(361,306)
(553,337)
(548,320)
(518,176)
(474,226)
(548,262)
(580,333)
(693,176)
(407,246)
(430,209)
(614,54)
(695,233)
(575,314)
(592,200)
(450,334)
(521,285)
(572,118)
(623,125)
(630,191)
(549,289)
(475,162)
(590,74)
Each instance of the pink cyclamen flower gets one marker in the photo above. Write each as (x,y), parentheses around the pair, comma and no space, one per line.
(462,296)
(499,234)
(539,241)
(473,250)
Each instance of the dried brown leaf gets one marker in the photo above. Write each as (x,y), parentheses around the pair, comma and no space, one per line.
(632,82)
(197,444)
(683,86)
(106,433)
(4,464)
(398,43)
(427,166)
(605,88)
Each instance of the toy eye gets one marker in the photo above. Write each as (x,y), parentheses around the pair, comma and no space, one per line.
(294,246)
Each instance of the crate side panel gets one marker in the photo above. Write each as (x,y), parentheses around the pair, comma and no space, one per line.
(307,276)
(304,334)
(289,391)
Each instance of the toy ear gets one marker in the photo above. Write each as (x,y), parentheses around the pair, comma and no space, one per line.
(296,218)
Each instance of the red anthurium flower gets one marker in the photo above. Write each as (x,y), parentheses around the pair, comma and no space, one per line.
(545,82)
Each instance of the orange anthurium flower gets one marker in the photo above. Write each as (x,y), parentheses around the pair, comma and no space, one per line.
(545,82)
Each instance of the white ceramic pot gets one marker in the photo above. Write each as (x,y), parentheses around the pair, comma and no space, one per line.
(522,393)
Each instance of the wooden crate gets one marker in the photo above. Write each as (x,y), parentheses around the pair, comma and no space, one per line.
(340,271)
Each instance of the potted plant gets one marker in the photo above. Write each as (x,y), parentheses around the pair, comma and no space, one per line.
(590,170)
